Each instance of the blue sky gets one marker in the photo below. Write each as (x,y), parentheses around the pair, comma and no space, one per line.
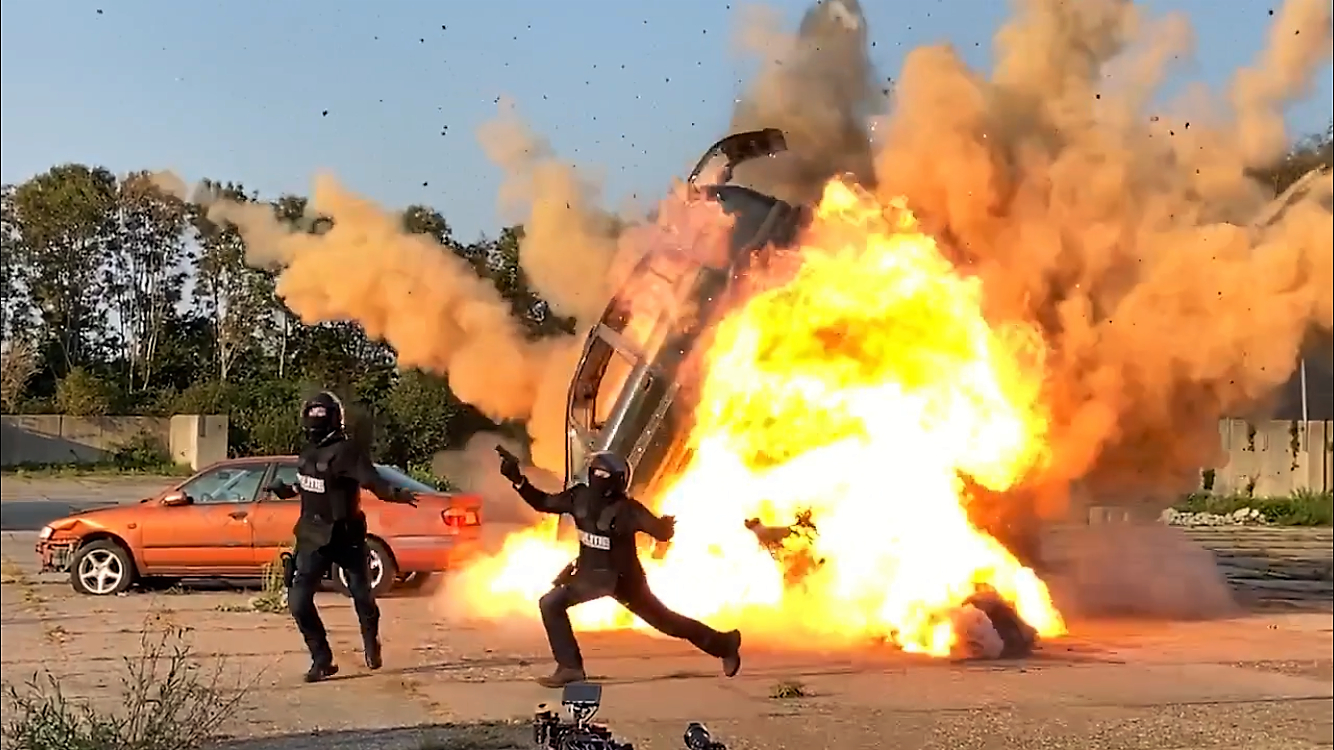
(238,90)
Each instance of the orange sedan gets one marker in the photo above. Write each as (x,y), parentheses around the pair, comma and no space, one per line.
(222,523)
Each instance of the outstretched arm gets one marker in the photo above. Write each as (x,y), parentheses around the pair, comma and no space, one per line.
(662,528)
(561,502)
(283,490)
(543,502)
(357,464)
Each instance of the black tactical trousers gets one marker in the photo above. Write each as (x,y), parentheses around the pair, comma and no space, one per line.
(346,548)
(632,591)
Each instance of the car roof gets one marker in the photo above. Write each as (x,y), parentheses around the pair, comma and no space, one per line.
(261,460)
(255,459)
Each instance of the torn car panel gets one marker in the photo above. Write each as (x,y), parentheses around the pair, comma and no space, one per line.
(626,394)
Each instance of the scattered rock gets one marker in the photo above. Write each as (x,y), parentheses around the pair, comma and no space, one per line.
(1238,517)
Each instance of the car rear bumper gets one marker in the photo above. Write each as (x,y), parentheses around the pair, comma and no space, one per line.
(55,555)
(432,553)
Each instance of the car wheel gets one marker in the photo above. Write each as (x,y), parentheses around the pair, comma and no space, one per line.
(384,572)
(101,568)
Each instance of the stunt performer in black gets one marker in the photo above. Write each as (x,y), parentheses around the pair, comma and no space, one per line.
(331,530)
(608,564)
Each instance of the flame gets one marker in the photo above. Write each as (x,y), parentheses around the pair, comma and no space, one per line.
(862,391)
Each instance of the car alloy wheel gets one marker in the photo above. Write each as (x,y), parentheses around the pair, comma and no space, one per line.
(101,571)
(377,570)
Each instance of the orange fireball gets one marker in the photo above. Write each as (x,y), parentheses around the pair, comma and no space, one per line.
(858,395)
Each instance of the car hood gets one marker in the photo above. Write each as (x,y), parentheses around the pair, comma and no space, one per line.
(99,508)
(98,515)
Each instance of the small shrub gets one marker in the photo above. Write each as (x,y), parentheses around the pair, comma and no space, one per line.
(1302,508)
(788,690)
(169,703)
(83,394)
(18,363)
(273,598)
(141,452)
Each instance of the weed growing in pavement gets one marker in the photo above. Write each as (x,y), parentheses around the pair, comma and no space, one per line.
(168,702)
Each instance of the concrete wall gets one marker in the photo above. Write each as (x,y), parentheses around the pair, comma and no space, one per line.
(53,438)
(1276,457)
(1268,458)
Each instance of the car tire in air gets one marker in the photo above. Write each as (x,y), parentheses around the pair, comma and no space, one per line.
(101,568)
(384,573)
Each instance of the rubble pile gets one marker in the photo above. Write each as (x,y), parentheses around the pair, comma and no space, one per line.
(1238,517)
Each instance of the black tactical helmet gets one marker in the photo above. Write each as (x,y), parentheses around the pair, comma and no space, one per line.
(322,418)
(608,473)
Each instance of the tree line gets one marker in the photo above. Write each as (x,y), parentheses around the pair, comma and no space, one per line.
(120,299)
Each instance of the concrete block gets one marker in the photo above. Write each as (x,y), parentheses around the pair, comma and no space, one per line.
(198,440)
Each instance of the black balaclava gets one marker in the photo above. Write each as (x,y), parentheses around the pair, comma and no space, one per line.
(608,474)
(322,419)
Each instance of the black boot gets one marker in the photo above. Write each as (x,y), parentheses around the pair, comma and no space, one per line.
(373,660)
(320,670)
(732,653)
(562,677)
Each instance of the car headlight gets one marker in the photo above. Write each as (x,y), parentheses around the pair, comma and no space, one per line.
(45,533)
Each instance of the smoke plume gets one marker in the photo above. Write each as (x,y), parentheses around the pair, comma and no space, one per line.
(569,242)
(1123,230)
(472,469)
(410,291)
(818,87)
(1131,234)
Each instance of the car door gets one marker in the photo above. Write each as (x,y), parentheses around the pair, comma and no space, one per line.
(210,534)
(273,519)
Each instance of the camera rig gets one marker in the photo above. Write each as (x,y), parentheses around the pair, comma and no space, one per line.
(582,700)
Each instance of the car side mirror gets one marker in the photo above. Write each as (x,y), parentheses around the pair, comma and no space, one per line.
(176,498)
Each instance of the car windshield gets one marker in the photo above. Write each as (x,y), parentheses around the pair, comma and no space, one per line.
(398,479)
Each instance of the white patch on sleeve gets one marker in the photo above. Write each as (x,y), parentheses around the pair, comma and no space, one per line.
(596,541)
(310,484)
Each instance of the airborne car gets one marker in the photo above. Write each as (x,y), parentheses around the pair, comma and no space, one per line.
(625,396)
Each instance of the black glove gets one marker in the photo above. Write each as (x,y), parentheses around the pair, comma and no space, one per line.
(669,527)
(404,495)
(509,466)
(281,489)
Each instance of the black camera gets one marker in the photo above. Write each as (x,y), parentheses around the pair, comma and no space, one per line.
(697,737)
(582,700)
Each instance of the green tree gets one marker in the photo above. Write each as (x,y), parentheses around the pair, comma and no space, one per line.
(231,295)
(421,416)
(145,274)
(292,210)
(338,354)
(64,220)
(16,312)
(184,354)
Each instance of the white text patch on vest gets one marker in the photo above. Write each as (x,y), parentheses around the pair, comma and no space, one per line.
(310,484)
(596,541)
